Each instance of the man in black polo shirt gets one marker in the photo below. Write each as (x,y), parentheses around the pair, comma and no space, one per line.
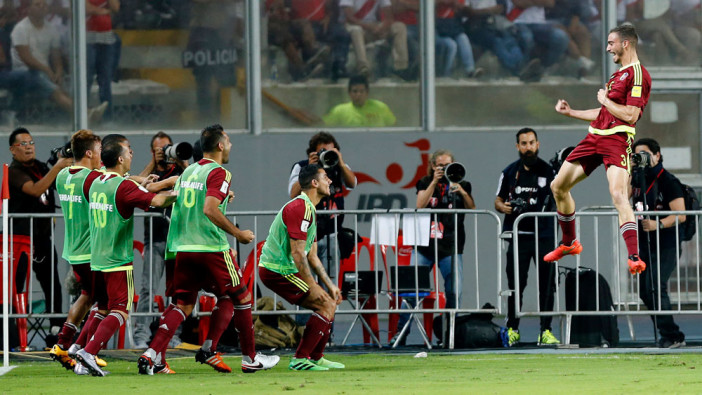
(32,191)
(525,186)
(663,193)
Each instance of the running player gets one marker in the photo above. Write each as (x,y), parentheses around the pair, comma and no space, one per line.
(72,185)
(112,202)
(612,129)
(289,253)
(198,236)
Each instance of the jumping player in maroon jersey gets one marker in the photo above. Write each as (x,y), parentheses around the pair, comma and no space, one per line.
(612,130)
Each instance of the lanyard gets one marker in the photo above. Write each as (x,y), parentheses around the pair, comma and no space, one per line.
(654,181)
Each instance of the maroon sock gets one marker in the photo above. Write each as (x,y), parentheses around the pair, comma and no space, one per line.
(318,351)
(567,223)
(90,328)
(104,332)
(631,238)
(162,351)
(65,338)
(244,326)
(83,336)
(167,328)
(314,332)
(219,321)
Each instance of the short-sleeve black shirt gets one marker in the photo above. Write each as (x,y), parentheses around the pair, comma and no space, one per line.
(534,187)
(21,202)
(663,188)
(443,199)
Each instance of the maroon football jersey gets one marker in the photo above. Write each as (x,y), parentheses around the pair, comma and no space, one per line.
(631,86)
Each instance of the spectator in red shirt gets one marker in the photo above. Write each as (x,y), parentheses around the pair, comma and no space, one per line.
(101,51)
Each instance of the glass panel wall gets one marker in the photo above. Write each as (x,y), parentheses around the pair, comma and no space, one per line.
(525,60)
(35,66)
(180,65)
(340,64)
(674,120)
(669,30)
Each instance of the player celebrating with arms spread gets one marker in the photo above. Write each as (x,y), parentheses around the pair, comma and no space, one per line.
(289,253)
(612,130)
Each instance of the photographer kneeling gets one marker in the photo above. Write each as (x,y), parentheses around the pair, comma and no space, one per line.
(655,189)
(524,187)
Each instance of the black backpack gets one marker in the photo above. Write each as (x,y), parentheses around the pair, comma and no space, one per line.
(590,331)
(692,203)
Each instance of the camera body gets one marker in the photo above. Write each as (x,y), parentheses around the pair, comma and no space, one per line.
(641,159)
(63,151)
(179,151)
(328,159)
(518,205)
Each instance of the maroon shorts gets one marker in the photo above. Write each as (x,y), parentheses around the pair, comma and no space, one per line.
(170,272)
(120,290)
(84,276)
(215,272)
(99,290)
(594,150)
(291,287)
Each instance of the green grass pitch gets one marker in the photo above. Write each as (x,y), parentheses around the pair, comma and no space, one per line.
(387,374)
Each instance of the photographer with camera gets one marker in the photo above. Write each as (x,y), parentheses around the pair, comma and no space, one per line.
(168,161)
(442,188)
(524,187)
(324,150)
(32,191)
(656,189)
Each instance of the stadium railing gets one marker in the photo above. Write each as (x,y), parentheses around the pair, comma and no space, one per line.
(599,226)
(482,261)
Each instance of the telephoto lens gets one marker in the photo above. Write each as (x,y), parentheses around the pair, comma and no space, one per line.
(179,151)
(328,159)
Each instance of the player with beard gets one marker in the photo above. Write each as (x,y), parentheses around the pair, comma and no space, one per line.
(612,130)
(524,187)
(198,234)
(287,261)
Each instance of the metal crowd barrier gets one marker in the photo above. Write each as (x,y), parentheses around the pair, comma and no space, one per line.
(482,228)
(624,286)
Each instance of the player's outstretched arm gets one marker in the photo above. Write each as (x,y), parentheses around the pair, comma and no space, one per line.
(562,107)
(158,186)
(164,199)
(212,212)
